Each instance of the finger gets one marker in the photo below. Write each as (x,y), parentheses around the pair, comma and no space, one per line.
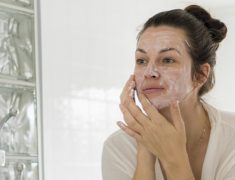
(131,78)
(134,110)
(128,85)
(128,93)
(176,116)
(130,120)
(130,132)
(151,111)
(129,103)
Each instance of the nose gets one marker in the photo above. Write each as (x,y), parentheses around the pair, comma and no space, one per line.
(152,72)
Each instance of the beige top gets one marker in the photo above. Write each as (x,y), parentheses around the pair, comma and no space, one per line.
(119,151)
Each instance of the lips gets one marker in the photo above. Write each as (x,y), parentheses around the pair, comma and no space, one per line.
(149,90)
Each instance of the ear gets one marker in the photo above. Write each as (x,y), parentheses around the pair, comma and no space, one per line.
(205,69)
(202,77)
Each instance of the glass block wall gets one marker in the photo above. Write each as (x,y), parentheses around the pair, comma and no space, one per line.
(20,120)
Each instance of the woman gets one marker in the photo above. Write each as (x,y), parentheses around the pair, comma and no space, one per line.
(173,134)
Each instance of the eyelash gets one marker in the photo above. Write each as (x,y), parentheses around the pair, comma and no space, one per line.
(166,60)
(141,61)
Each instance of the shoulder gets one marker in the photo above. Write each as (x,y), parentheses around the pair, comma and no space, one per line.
(222,128)
(220,157)
(226,123)
(226,131)
(221,119)
(225,148)
(119,156)
(119,140)
(228,119)
(225,134)
(227,126)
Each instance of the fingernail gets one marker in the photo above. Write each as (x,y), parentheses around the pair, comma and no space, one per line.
(121,124)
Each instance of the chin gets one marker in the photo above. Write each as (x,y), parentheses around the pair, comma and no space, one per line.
(160,103)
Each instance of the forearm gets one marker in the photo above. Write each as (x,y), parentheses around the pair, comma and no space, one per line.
(179,168)
(145,168)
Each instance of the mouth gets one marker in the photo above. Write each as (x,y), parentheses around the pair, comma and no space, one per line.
(151,90)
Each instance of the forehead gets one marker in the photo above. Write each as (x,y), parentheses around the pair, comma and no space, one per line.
(162,37)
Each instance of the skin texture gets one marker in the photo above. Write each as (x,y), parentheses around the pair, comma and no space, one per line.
(172,118)
(163,53)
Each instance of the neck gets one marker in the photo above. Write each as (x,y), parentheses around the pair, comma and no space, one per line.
(195,119)
(197,123)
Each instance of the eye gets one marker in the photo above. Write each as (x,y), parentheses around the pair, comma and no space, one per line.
(141,61)
(168,60)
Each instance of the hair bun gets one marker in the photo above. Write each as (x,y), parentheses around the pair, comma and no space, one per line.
(216,28)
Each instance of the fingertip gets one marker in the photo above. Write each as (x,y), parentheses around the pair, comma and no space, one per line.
(121,124)
(132,76)
(175,103)
(174,107)
(121,107)
(178,104)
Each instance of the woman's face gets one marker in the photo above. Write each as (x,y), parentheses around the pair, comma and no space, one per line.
(163,65)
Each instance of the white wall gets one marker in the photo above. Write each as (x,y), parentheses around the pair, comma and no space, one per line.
(88,53)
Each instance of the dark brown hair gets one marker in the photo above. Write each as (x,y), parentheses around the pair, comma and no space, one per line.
(204,34)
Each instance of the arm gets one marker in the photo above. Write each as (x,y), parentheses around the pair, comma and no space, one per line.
(145,168)
(165,140)
(170,148)
(179,167)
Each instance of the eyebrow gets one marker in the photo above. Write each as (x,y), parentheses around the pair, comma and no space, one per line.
(161,51)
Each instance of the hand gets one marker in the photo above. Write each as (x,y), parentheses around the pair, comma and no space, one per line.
(165,140)
(142,152)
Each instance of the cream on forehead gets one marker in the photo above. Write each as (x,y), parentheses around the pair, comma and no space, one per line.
(157,40)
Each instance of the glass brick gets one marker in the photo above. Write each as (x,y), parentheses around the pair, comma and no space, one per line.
(21,3)
(18,132)
(17,54)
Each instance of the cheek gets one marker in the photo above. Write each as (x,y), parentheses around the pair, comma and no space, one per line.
(139,78)
(175,80)
(178,80)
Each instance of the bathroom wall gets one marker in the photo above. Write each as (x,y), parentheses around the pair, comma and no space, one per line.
(87,55)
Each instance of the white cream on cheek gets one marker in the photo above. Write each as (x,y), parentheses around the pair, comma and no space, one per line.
(176,80)
(177,85)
